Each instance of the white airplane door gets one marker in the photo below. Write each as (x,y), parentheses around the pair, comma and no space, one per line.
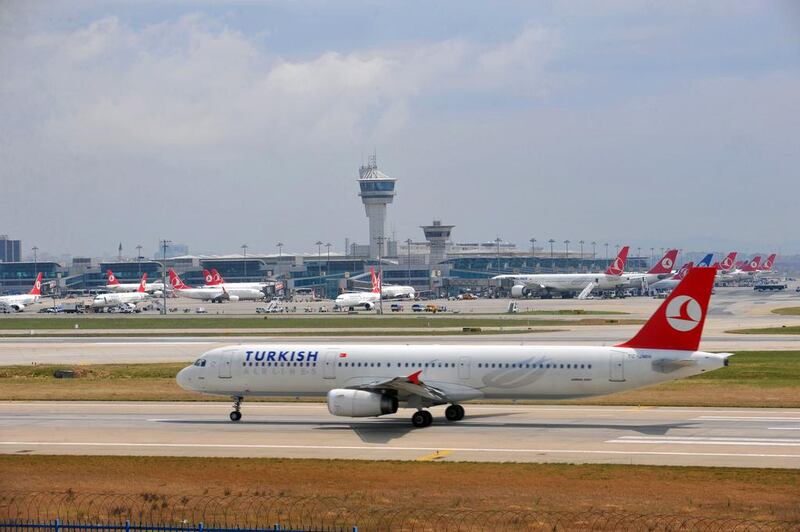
(225,366)
(329,364)
(463,367)
(617,367)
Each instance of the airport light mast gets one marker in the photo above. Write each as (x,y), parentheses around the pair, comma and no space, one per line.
(376,191)
(164,244)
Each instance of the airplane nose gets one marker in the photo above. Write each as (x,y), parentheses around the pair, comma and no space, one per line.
(183,379)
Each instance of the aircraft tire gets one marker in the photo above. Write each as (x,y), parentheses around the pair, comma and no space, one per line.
(421,419)
(236,415)
(454,413)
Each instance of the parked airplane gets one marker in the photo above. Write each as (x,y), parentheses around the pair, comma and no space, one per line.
(214,294)
(114,285)
(726,264)
(392,291)
(122,298)
(661,270)
(570,284)
(745,270)
(674,281)
(767,264)
(706,262)
(368,300)
(369,380)
(213,278)
(244,291)
(18,302)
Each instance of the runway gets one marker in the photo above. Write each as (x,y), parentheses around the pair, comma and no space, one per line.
(579,434)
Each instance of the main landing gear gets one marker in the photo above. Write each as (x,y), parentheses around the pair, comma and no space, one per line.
(236,415)
(423,418)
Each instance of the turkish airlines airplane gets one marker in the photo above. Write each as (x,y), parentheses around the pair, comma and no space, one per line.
(392,291)
(746,269)
(370,380)
(214,294)
(244,291)
(18,302)
(766,266)
(114,285)
(368,300)
(547,284)
(662,270)
(213,278)
(674,281)
(123,298)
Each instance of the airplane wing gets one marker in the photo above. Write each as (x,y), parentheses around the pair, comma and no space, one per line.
(410,385)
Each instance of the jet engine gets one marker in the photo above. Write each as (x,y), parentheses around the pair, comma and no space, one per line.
(369,306)
(360,403)
(18,307)
(519,290)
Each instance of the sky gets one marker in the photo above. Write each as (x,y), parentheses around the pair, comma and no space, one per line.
(215,124)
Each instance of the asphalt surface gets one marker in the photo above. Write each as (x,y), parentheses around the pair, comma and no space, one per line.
(575,434)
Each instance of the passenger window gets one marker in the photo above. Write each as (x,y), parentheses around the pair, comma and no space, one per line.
(340,364)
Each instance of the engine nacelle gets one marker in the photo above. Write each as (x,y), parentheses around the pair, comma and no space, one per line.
(519,290)
(369,306)
(233,298)
(360,403)
(18,307)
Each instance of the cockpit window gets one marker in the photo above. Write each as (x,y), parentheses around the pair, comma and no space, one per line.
(200,362)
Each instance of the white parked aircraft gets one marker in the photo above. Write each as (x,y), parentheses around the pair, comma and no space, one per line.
(214,294)
(392,291)
(114,285)
(368,300)
(662,270)
(18,302)
(213,278)
(123,298)
(567,284)
(370,380)
(671,282)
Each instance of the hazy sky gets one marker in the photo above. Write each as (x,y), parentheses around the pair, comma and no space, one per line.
(219,123)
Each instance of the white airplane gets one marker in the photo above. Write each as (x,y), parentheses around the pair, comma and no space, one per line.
(371,380)
(392,291)
(213,278)
(662,270)
(123,298)
(745,270)
(368,300)
(547,284)
(18,302)
(671,282)
(214,294)
(244,291)
(114,285)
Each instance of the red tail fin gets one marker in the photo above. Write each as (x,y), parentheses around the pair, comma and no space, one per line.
(618,266)
(112,279)
(727,263)
(142,284)
(752,266)
(376,280)
(175,281)
(37,286)
(767,266)
(678,322)
(681,274)
(217,277)
(209,279)
(666,263)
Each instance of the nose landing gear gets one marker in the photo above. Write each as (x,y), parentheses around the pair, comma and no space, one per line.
(236,415)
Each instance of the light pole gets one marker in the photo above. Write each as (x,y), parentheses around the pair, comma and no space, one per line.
(408,265)
(498,241)
(328,263)
(594,250)
(280,254)
(606,245)
(244,254)
(652,257)
(139,258)
(533,247)
(164,244)
(551,241)
(580,260)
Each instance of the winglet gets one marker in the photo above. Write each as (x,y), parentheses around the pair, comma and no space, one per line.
(618,266)
(678,322)
(414,377)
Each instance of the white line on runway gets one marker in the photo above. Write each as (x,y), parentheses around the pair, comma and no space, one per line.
(745,418)
(710,438)
(783,428)
(385,448)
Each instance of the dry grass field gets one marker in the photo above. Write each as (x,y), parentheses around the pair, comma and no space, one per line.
(764,494)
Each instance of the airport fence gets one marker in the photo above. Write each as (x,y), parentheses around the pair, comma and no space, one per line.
(147,512)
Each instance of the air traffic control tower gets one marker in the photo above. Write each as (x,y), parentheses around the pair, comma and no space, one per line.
(438,235)
(377,191)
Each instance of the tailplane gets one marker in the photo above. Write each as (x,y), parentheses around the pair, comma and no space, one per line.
(752,266)
(176,281)
(678,322)
(143,284)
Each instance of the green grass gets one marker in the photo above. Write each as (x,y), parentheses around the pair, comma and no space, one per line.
(574,312)
(787,311)
(761,369)
(282,334)
(784,329)
(271,322)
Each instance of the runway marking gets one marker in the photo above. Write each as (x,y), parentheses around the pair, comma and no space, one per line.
(783,428)
(436,455)
(710,440)
(745,418)
(387,448)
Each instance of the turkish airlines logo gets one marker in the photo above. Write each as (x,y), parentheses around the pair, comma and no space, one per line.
(111,278)
(209,278)
(727,263)
(667,263)
(683,272)
(684,313)
(617,266)
(38,285)
(753,264)
(768,264)
(175,281)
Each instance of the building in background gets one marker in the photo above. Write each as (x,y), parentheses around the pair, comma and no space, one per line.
(376,191)
(10,250)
